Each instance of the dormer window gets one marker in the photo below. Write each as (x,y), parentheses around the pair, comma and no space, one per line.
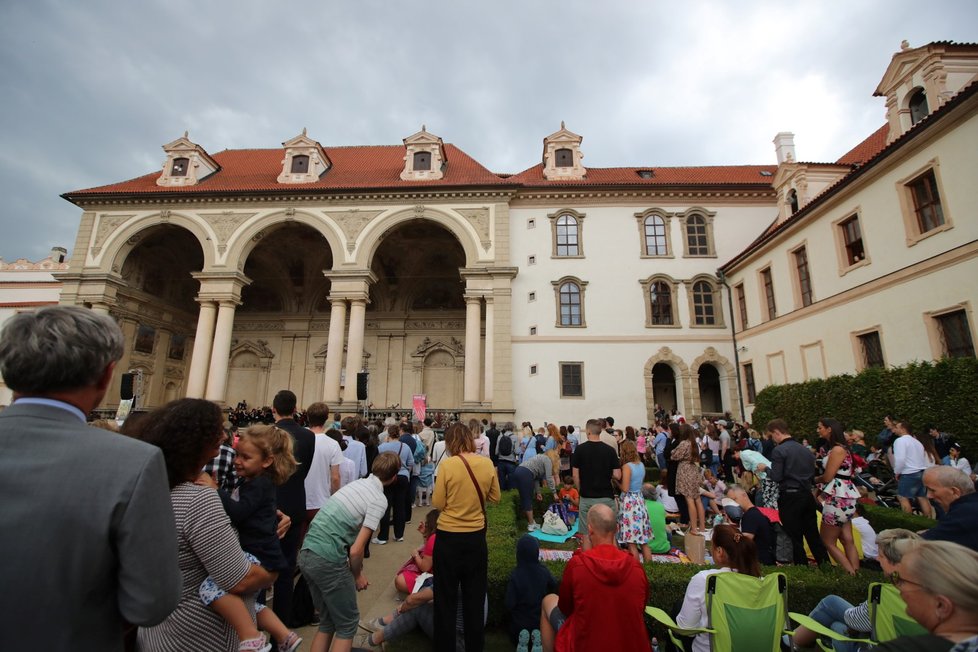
(422,161)
(562,155)
(424,157)
(305,160)
(793,200)
(918,107)
(300,164)
(186,163)
(179,167)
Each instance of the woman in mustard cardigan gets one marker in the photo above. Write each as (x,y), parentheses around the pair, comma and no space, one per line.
(466,481)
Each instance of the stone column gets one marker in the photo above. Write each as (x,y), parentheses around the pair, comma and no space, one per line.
(354,348)
(100,308)
(490,339)
(473,348)
(200,361)
(334,352)
(217,377)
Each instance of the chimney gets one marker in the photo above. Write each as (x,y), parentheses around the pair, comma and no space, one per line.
(58,254)
(784,147)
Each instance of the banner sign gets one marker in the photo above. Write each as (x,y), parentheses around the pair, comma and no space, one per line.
(420,406)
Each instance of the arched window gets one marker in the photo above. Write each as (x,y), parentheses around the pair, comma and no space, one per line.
(655,236)
(918,107)
(660,304)
(422,161)
(793,200)
(570,302)
(697,237)
(179,167)
(704,304)
(300,164)
(564,158)
(567,236)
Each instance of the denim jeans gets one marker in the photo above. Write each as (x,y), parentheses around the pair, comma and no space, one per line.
(831,612)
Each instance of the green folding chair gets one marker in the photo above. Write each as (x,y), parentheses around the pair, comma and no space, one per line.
(744,613)
(887,615)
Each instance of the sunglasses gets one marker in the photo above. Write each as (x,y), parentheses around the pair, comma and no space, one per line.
(898,581)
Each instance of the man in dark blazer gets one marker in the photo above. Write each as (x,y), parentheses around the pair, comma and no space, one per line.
(87,536)
(292,500)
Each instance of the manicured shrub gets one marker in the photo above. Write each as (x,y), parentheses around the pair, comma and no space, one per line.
(886,518)
(940,393)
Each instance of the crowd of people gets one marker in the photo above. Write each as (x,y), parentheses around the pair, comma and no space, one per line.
(170,537)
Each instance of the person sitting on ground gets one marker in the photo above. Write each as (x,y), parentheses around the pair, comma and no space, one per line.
(660,544)
(417,611)
(527,585)
(957,461)
(712,492)
(668,502)
(939,582)
(732,553)
(602,596)
(839,615)
(421,560)
(527,478)
(867,538)
(569,495)
(755,525)
(955,493)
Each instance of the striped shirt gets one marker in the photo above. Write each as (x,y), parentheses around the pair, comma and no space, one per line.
(359,504)
(208,546)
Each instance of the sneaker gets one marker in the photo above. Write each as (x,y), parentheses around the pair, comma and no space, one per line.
(398,539)
(291,643)
(363,641)
(374,625)
(378,542)
(532,527)
(259,644)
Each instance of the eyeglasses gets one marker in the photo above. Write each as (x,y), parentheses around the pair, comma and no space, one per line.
(900,581)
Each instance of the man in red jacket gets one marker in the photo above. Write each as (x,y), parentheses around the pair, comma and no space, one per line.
(602,596)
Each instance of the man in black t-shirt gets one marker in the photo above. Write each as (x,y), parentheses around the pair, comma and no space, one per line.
(594,465)
(755,525)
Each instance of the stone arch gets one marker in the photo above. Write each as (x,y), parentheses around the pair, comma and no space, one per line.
(112,253)
(246,236)
(681,373)
(439,365)
(729,392)
(374,232)
(248,371)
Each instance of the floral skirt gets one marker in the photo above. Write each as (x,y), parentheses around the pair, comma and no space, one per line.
(633,519)
(839,502)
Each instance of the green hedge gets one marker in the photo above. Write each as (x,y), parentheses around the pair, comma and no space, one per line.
(886,518)
(941,393)
(806,586)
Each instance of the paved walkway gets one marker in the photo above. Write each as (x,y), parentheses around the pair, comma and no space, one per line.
(380,597)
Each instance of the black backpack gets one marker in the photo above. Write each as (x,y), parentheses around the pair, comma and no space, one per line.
(706,456)
(505,448)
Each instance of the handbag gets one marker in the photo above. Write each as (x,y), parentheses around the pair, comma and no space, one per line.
(553,524)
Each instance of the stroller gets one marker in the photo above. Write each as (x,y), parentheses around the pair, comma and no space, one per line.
(877,478)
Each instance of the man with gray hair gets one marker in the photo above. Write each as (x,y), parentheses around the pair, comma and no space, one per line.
(86,527)
(954,491)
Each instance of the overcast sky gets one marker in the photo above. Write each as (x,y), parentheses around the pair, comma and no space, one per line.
(92,89)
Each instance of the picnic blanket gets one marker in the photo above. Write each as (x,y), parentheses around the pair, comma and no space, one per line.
(675,556)
(554,538)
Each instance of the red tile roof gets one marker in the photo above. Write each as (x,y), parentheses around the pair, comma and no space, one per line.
(678,176)
(866,149)
(257,170)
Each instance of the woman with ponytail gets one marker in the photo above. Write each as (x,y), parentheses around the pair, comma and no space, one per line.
(732,553)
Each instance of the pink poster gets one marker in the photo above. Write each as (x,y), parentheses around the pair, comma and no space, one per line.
(420,406)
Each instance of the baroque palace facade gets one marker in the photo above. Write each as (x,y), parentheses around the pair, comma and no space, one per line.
(555,293)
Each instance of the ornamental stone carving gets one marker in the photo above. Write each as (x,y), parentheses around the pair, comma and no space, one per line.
(433,324)
(479,219)
(427,345)
(352,222)
(225,223)
(259,326)
(106,225)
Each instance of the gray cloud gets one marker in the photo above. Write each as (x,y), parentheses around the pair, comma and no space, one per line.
(91,90)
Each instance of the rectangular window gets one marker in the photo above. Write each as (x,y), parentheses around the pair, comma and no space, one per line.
(872,349)
(742,305)
(533,370)
(533,330)
(531,260)
(768,282)
(572,380)
(532,296)
(926,202)
(852,238)
(955,334)
(749,382)
(804,277)
(531,223)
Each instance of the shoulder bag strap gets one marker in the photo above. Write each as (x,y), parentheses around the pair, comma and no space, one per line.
(478,489)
